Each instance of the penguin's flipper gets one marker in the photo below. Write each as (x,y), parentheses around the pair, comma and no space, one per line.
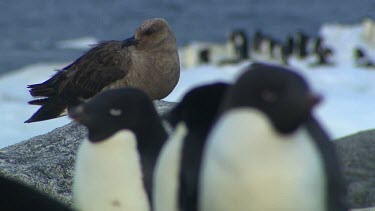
(335,182)
(51,108)
(189,176)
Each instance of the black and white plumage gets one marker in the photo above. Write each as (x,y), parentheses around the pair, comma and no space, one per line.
(114,165)
(148,61)
(239,44)
(177,172)
(15,196)
(361,59)
(257,40)
(301,44)
(267,151)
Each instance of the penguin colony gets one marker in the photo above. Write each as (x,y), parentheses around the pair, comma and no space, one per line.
(250,145)
(263,47)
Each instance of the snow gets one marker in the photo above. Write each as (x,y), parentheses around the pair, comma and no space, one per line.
(15,110)
(82,43)
(348,91)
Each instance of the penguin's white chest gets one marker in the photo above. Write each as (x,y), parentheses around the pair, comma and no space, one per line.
(108,175)
(248,166)
(166,177)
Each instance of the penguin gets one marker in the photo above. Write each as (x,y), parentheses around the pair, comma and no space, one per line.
(204,56)
(324,56)
(266,151)
(114,165)
(238,41)
(361,59)
(276,48)
(15,196)
(257,40)
(266,46)
(317,45)
(302,40)
(177,170)
(287,50)
(271,48)
(289,45)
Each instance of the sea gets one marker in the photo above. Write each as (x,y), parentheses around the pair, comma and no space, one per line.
(33,31)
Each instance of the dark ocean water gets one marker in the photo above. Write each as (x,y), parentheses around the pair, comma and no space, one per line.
(31,29)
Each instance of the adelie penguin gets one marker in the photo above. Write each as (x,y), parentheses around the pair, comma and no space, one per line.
(15,196)
(148,61)
(114,165)
(176,175)
(361,59)
(287,50)
(323,57)
(267,152)
(239,42)
(257,40)
(302,40)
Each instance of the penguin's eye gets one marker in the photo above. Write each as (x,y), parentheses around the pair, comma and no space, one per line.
(269,96)
(115,112)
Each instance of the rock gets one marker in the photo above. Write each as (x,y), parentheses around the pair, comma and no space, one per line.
(46,162)
(364,209)
(357,155)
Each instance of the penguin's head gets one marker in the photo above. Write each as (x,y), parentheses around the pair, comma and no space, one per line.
(199,107)
(113,110)
(238,37)
(280,93)
(258,35)
(359,53)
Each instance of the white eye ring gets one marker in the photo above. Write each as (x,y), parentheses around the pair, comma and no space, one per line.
(115,112)
(269,96)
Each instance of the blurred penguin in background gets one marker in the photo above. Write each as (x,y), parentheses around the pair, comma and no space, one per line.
(361,59)
(287,50)
(257,40)
(176,177)
(239,42)
(301,44)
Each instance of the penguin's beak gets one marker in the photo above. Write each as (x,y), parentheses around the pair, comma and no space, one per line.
(77,113)
(129,42)
(313,99)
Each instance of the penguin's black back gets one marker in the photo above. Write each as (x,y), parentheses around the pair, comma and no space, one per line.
(198,110)
(149,150)
(241,48)
(193,146)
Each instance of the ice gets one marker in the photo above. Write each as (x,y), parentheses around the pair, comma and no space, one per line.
(82,43)
(14,107)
